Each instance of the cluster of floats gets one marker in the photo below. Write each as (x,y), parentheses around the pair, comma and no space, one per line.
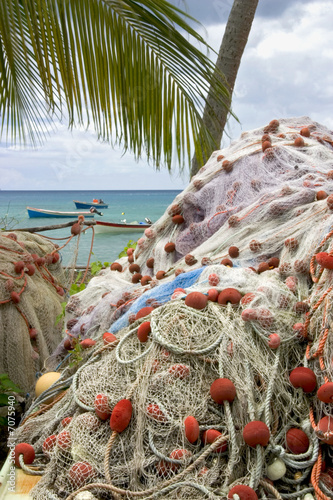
(89,210)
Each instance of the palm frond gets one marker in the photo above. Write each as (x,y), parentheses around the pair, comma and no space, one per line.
(123,65)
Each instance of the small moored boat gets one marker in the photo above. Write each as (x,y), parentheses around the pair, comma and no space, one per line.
(41,212)
(89,204)
(120,227)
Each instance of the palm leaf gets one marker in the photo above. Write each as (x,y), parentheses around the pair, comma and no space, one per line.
(123,65)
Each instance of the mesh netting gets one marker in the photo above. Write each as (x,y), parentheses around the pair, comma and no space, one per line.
(202,391)
(29,305)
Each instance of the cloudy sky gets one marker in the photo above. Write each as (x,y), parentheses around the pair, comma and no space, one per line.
(286,71)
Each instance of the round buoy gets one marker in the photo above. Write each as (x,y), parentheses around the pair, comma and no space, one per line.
(329,201)
(108,338)
(192,430)
(276,470)
(249,315)
(144,311)
(154,411)
(160,275)
(150,263)
(134,268)
(121,415)
(210,436)
(233,221)
(197,300)
(212,294)
(136,277)
(233,252)
(274,340)
(263,266)
(321,195)
(101,405)
(177,219)
(213,279)
(325,392)
(226,262)
(297,441)
(222,389)
(44,382)
(49,444)
(303,377)
(27,451)
(256,432)
(229,295)
(255,246)
(143,331)
(325,425)
(305,132)
(170,247)
(145,280)
(299,142)
(273,262)
(190,260)
(247,298)
(80,472)
(64,440)
(115,266)
(324,260)
(244,493)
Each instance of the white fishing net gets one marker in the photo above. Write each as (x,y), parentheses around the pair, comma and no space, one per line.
(30,302)
(268,207)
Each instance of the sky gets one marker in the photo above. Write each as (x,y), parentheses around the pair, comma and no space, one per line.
(286,71)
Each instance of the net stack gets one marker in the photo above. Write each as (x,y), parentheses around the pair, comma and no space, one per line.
(208,372)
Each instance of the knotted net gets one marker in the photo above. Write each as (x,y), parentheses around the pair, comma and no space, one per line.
(280,320)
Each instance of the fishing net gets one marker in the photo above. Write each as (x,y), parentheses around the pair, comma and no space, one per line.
(31,281)
(216,367)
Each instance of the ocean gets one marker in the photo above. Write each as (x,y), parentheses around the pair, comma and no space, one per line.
(129,205)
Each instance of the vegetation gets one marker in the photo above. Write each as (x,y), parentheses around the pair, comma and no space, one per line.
(123,66)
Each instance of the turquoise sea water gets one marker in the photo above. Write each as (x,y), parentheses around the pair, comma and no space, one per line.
(136,205)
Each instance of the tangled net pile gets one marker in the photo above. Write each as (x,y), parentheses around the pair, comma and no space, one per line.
(31,290)
(214,379)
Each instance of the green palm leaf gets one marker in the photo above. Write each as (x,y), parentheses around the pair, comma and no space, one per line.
(121,64)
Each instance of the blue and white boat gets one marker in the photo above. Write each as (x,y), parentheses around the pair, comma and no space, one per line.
(41,212)
(89,204)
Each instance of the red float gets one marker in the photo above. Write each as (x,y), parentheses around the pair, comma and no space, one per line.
(197,300)
(150,262)
(321,195)
(179,371)
(134,268)
(226,262)
(27,451)
(80,472)
(249,315)
(256,432)
(222,389)
(49,444)
(145,280)
(121,415)
(274,341)
(116,267)
(169,247)
(325,425)
(212,294)
(64,440)
(177,219)
(329,201)
(305,132)
(160,275)
(136,278)
(297,441)
(303,377)
(325,392)
(154,411)
(229,295)
(102,408)
(299,142)
(324,260)
(210,436)
(143,331)
(108,338)
(213,279)
(192,430)
(244,492)
(233,252)
(143,312)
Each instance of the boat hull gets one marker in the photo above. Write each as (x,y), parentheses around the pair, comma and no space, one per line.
(114,227)
(51,214)
(83,204)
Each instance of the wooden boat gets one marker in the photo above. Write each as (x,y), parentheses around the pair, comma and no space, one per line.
(89,204)
(41,212)
(120,227)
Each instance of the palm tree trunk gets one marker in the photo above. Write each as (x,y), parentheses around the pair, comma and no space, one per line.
(233,44)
